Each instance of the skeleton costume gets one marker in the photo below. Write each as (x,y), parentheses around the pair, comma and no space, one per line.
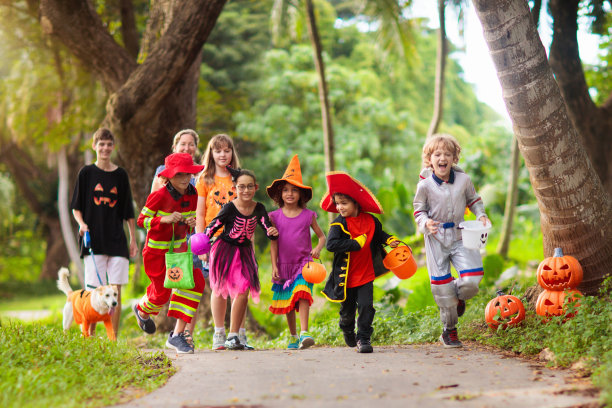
(233,268)
(446,202)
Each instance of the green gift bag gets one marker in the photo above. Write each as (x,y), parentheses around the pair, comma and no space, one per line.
(179,267)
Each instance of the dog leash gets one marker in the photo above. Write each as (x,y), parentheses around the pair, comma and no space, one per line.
(87,244)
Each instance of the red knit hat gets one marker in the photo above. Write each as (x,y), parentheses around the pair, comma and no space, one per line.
(179,163)
(343,183)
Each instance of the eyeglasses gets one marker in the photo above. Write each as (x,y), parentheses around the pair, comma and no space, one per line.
(242,187)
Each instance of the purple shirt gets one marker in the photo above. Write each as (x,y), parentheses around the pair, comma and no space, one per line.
(294,243)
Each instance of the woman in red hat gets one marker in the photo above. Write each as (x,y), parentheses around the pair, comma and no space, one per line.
(169,211)
(356,238)
(293,250)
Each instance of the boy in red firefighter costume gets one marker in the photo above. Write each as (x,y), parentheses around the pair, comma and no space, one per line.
(169,208)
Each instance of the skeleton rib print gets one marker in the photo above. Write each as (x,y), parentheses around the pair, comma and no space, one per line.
(243,229)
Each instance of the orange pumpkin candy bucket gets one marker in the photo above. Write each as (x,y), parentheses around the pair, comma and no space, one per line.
(314,272)
(401,262)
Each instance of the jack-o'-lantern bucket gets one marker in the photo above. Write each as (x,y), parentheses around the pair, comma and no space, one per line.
(401,262)
(474,234)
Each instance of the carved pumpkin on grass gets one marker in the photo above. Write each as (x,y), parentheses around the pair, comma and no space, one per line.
(559,272)
(504,310)
(553,302)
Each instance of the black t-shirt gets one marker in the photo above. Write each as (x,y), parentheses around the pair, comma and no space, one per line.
(105,200)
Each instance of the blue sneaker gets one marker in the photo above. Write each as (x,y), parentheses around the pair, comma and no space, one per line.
(179,344)
(294,343)
(306,341)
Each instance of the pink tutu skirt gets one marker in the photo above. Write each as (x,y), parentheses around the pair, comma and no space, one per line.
(233,270)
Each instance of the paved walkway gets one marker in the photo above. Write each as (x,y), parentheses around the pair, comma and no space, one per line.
(393,376)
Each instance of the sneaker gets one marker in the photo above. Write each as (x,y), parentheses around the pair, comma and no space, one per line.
(244,342)
(233,343)
(179,344)
(306,341)
(461,307)
(294,343)
(146,325)
(218,341)
(450,339)
(350,339)
(364,346)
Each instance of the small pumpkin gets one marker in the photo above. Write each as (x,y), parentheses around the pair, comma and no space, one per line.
(552,302)
(504,310)
(314,272)
(175,274)
(559,272)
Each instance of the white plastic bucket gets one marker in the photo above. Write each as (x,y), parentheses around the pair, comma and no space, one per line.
(474,234)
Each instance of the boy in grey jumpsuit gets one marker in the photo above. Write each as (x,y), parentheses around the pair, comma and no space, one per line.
(442,195)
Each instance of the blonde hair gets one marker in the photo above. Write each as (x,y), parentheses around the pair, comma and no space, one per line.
(444,140)
(217,142)
(180,133)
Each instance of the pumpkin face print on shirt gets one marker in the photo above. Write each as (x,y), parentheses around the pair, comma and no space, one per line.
(222,197)
(102,197)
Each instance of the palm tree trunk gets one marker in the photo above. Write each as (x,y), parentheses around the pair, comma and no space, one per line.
(511,200)
(328,130)
(512,193)
(576,211)
(440,68)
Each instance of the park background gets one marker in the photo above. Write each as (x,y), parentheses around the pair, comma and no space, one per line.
(256,81)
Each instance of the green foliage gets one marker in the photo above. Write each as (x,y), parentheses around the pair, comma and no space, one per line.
(42,366)
(493,265)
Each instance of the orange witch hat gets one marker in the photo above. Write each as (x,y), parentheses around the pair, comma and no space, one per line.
(293,175)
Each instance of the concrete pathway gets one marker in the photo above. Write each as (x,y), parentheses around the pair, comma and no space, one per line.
(393,376)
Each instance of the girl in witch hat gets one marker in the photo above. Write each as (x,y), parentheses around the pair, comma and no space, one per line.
(293,250)
(356,238)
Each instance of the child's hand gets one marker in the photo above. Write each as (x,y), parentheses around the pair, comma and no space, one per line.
(272,232)
(203,257)
(191,222)
(484,220)
(432,226)
(172,218)
(275,275)
(394,244)
(315,253)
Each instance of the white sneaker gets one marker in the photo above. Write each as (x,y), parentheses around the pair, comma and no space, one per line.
(243,341)
(218,341)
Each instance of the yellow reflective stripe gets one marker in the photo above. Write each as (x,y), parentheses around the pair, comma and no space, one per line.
(147,223)
(194,296)
(185,214)
(147,212)
(182,309)
(165,244)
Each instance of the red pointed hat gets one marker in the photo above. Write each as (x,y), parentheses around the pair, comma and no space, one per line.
(179,163)
(343,183)
(293,175)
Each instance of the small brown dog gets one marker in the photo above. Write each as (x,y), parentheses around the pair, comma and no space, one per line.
(88,306)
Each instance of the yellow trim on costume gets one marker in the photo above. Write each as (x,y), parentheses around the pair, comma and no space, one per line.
(391,239)
(342,227)
(147,212)
(348,260)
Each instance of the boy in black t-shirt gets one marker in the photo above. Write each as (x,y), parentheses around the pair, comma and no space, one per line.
(101,201)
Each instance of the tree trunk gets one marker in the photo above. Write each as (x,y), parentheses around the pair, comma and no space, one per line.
(55,255)
(560,171)
(149,102)
(63,207)
(593,123)
(515,167)
(511,200)
(326,120)
(440,68)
